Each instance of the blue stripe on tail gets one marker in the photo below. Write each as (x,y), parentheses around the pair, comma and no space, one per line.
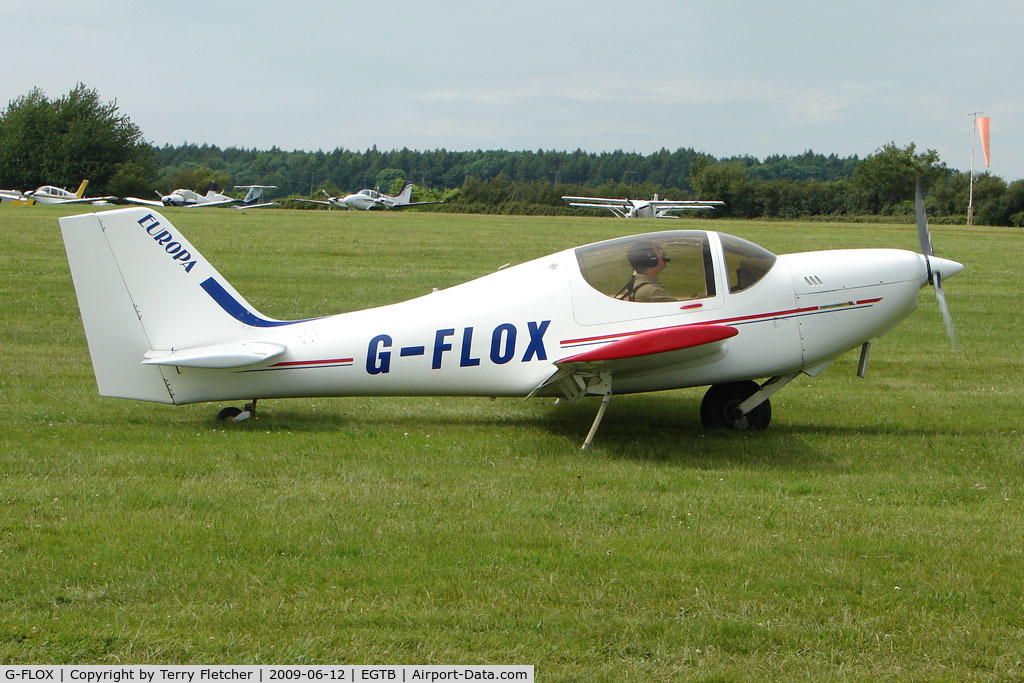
(236,310)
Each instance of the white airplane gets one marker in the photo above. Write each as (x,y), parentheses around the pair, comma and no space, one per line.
(641,208)
(51,194)
(13,197)
(193,200)
(254,196)
(364,200)
(190,199)
(163,325)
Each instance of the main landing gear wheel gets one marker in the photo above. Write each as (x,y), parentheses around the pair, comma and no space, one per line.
(229,413)
(233,414)
(720,408)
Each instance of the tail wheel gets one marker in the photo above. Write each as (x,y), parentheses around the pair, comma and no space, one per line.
(720,408)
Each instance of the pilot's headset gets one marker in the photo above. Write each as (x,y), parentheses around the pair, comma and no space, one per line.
(643,255)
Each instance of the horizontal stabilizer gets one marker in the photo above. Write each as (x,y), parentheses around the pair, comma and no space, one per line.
(216,356)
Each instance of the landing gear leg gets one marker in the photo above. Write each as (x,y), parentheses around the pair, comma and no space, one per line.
(601,384)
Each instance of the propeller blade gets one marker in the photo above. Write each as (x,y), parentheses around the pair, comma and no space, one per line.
(922,224)
(934,276)
(947,317)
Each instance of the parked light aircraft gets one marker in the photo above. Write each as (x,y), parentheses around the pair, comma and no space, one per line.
(641,208)
(254,196)
(51,194)
(193,200)
(13,197)
(163,325)
(189,199)
(364,200)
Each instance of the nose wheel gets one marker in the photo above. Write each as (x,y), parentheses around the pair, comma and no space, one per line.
(720,408)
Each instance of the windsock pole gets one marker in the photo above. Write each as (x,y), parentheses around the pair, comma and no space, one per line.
(970,195)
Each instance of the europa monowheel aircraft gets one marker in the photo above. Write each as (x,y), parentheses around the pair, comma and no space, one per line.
(163,325)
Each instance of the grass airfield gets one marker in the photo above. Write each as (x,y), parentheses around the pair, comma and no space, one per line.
(874,531)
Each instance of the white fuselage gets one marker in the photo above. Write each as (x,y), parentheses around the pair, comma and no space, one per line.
(50,194)
(163,325)
(364,200)
(495,337)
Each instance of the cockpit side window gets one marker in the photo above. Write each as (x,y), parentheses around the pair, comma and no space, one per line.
(681,262)
(745,262)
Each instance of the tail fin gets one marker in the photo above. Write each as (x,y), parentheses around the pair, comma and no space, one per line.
(254,194)
(143,288)
(405,196)
(81,189)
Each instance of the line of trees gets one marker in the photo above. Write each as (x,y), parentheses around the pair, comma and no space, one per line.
(77,136)
(533,182)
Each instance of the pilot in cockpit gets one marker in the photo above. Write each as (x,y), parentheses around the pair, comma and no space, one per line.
(648,260)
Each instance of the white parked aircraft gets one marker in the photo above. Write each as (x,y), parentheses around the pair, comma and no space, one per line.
(641,208)
(364,200)
(193,200)
(51,194)
(254,196)
(163,325)
(189,199)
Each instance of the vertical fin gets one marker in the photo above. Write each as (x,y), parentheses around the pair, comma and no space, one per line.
(143,287)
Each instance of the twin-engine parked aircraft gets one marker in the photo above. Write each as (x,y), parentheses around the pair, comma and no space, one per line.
(51,194)
(641,208)
(193,200)
(655,311)
(189,199)
(364,200)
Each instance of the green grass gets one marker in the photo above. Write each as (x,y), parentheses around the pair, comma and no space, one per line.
(873,532)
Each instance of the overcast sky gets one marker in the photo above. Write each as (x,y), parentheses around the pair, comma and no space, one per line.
(722,77)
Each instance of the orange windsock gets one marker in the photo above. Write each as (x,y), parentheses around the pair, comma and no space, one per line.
(983,130)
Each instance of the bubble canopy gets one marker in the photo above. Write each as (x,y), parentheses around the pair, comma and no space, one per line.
(679,261)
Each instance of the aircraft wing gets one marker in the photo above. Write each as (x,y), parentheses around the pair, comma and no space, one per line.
(90,200)
(601,202)
(595,205)
(637,353)
(147,202)
(402,206)
(312,201)
(264,205)
(207,205)
(11,194)
(686,204)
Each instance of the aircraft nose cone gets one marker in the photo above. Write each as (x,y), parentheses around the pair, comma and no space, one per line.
(946,268)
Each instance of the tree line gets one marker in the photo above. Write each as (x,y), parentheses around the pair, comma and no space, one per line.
(77,136)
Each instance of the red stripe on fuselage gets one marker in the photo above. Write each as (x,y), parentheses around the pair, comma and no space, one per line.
(291,363)
(720,321)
